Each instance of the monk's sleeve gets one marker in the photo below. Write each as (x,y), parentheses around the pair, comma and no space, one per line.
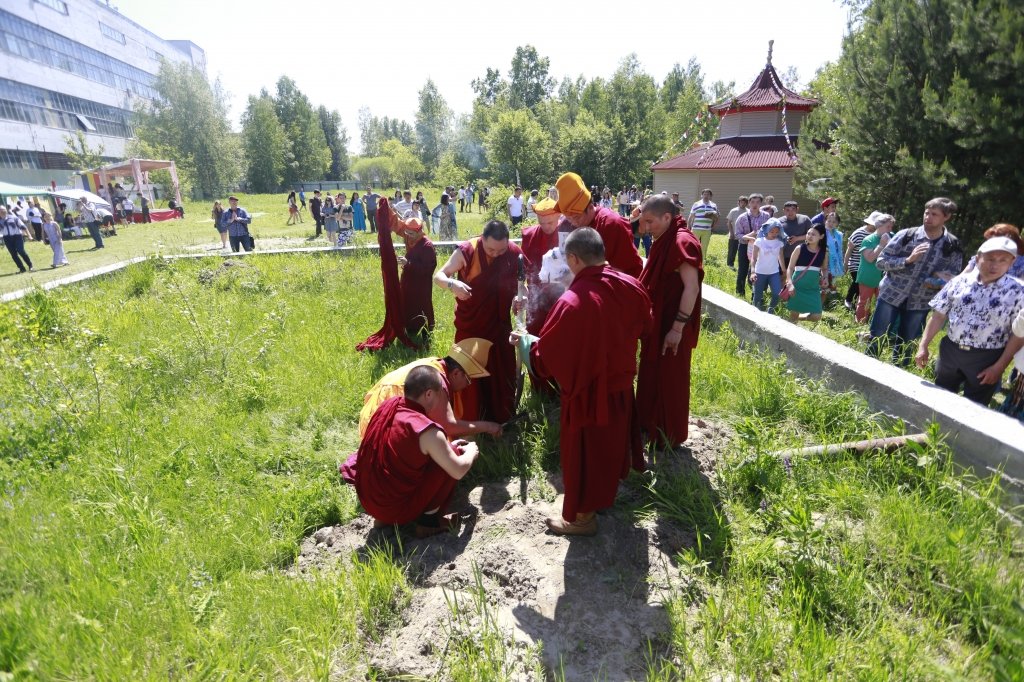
(558,353)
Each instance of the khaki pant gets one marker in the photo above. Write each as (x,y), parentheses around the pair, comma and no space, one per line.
(704,235)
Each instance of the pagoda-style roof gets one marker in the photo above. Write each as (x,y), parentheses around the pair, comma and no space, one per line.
(733,153)
(766,93)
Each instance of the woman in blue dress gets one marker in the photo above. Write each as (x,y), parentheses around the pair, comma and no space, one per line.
(358,213)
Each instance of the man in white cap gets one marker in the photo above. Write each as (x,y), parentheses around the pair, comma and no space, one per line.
(980,306)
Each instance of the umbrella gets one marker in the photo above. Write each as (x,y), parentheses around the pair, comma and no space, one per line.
(76,194)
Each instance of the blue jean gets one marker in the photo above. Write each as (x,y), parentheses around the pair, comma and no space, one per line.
(901,326)
(647,244)
(772,282)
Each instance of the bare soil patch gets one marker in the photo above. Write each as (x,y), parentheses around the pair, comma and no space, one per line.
(591,608)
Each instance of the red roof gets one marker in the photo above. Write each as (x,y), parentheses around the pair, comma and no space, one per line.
(769,151)
(763,94)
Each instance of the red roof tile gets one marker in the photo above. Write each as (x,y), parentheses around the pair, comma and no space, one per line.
(764,94)
(733,153)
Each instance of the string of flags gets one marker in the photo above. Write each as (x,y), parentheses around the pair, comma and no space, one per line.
(698,120)
(785,128)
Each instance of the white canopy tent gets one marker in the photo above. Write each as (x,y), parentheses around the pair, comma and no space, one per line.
(136,168)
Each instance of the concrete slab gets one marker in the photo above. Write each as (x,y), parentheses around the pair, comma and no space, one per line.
(982,440)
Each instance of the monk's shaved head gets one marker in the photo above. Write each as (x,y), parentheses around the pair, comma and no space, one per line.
(495,229)
(586,244)
(659,204)
(420,380)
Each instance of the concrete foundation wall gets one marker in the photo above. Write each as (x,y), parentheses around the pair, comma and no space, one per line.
(982,440)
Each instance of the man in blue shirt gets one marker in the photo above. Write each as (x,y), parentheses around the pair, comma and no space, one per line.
(828,205)
(11,228)
(236,219)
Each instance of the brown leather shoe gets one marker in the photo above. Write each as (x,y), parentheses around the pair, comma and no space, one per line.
(585,524)
(448,523)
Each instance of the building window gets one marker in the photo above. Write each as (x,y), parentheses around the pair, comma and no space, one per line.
(35,43)
(58,5)
(25,103)
(112,33)
(153,54)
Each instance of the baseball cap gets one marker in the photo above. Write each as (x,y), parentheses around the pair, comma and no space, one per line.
(998,244)
(825,203)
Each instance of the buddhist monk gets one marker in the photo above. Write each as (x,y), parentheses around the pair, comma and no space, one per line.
(464,364)
(407,469)
(574,202)
(487,268)
(672,278)
(588,344)
(538,241)
(418,267)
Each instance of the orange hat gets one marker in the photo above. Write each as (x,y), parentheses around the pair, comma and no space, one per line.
(546,206)
(471,354)
(573,194)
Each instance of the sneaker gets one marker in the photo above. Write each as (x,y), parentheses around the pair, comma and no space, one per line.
(31,269)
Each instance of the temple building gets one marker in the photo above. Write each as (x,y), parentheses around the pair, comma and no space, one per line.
(755,151)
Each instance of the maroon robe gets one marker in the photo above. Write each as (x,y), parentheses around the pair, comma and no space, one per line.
(394,315)
(663,387)
(542,294)
(594,363)
(396,481)
(487,314)
(617,236)
(418,286)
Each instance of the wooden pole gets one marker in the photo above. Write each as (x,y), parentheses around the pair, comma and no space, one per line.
(883,444)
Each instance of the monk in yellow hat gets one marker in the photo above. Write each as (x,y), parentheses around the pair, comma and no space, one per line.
(576,204)
(465,362)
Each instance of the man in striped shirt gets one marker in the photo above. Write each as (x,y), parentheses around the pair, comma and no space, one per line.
(702,219)
(748,223)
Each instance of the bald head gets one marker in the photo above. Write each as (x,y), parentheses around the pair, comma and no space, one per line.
(659,205)
(586,244)
(420,380)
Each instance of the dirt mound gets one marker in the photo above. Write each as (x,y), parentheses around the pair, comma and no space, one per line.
(592,608)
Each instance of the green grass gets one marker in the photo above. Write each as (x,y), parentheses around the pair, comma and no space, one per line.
(195,233)
(170,434)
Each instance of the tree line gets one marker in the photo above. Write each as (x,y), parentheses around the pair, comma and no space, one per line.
(925,99)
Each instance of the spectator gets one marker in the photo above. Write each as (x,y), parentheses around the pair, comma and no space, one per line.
(807,276)
(128,210)
(35,218)
(828,205)
(293,209)
(623,199)
(345,218)
(424,214)
(851,258)
(981,307)
(12,229)
(302,198)
(144,205)
(515,206)
(769,206)
(917,263)
(237,221)
(469,198)
(92,220)
(444,215)
(702,219)
(767,264)
(1004,230)
(730,220)
(370,198)
(834,247)
(330,212)
(404,205)
(795,225)
(1014,403)
(868,274)
(358,213)
(176,207)
(482,199)
(217,213)
(530,203)
(748,223)
(462,198)
(51,231)
(316,210)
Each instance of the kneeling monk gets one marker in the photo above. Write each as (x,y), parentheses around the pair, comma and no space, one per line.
(407,469)
(588,345)
(465,362)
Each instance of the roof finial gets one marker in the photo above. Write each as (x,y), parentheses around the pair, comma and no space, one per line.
(771,43)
